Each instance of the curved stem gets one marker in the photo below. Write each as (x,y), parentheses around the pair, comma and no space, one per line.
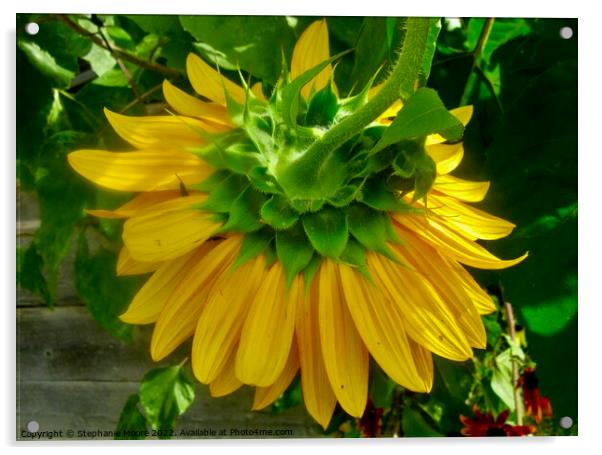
(305,170)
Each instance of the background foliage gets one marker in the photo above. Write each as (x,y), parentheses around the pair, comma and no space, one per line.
(519,74)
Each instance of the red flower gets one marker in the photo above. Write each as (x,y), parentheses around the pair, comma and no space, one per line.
(371,422)
(535,404)
(486,425)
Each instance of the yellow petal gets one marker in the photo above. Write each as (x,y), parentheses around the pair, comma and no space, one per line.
(311,49)
(145,170)
(126,265)
(182,311)
(448,284)
(452,244)
(319,398)
(209,83)
(480,299)
(222,318)
(188,105)
(267,334)
(157,131)
(151,298)
(171,230)
(382,327)
(467,220)
(424,362)
(345,355)
(264,396)
(464,190)
(429,321)
(463,113)
(139,203)
(226,381)
(447,157)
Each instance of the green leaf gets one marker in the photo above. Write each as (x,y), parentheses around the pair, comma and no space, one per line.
(164,24)
(165,394)
(29,272)
(244,212)
(131,423)
(381,388)
(46,63)
(502,381)
(247,42)
(421,115)
(355,255)
(294,251)
(415,425)
(327,231)
(105,294)
(424,175)
(368,226)
(254,243)
(278,213)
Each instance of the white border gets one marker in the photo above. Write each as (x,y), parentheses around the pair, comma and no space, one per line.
(590,301)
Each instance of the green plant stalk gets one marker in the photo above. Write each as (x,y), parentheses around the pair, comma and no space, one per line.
(399,85)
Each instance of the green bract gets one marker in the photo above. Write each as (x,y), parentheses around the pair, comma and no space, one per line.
(284,185)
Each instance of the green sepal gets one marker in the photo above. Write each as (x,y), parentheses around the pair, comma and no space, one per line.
(306,205)
(369,227)
(278,213)
(344,196)
(424,113)
(351,104)
(241,158)
(263,181)
(355,255)
(327,231)
(223,195)
(253,244)
(310,271)
(213,153)
(426,172)
(244,212)
(289,100)
(211,182)
(376,195)
(323,107)
(270,255)
(294,251)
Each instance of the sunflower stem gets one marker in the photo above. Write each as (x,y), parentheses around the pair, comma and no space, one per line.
(306,175)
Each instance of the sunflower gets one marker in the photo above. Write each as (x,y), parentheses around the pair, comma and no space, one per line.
(271,276)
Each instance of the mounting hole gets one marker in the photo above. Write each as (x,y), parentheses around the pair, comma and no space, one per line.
(566,422)
(32,28)
(33,426)
(566,32)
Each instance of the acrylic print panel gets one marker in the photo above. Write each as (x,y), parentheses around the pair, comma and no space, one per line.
(295,227)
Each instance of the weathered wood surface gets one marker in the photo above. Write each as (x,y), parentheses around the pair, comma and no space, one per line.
(73,376)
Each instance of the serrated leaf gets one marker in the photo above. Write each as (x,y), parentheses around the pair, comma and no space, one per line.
(294,251)
(165,394)
(244,212)
(263,181)
(278,213)
(327,231)
(422,114)
(369,227)
(132,423)
(46,63)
